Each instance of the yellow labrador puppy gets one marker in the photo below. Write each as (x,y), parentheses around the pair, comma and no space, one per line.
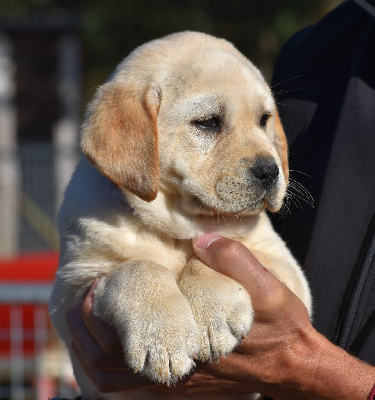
(184,139)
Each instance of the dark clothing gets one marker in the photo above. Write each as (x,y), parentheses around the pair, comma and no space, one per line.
(324,83)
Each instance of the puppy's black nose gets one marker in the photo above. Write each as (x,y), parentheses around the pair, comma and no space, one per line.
(266,173)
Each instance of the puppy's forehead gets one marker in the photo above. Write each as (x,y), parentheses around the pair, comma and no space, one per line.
(209,76)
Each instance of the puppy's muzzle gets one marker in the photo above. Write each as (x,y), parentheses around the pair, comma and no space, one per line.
(251,187)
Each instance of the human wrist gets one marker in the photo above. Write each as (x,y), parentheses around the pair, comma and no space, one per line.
(338,374)
(323,371)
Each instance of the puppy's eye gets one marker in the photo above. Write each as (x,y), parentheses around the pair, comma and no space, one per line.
(211,124)
(264,119)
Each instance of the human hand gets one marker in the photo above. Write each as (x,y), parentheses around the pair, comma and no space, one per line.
(281,336)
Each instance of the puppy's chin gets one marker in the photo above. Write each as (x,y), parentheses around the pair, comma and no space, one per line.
(195,206)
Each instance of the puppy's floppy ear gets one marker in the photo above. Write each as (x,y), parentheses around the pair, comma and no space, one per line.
(120,137)
(282,146)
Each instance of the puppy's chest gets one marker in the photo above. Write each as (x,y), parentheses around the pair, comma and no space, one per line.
(171,254)
(118,245)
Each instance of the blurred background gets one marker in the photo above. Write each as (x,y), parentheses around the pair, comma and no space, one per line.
(53,54)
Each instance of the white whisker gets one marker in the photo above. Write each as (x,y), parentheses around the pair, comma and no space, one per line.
(295,196)
(288,91)
(286,80)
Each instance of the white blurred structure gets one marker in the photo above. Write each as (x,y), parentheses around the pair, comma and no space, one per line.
(40,88)
(9,173)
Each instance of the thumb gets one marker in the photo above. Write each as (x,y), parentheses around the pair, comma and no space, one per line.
(235,260)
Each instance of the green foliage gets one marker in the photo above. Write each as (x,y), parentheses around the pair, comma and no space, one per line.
(112,28)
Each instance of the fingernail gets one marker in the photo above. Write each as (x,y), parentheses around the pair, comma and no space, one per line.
(204,241)
(92,288)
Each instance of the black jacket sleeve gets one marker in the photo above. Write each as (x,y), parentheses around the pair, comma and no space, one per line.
(324,83)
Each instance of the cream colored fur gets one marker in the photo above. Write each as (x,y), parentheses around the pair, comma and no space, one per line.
(174,140)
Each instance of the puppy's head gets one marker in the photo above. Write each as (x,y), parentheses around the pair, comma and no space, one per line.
(190,116)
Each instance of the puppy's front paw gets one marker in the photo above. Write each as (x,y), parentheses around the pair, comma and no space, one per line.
(154,321)
(163,346)
(221,307)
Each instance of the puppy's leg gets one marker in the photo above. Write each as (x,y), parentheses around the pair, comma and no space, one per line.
(221,306)
(154,321)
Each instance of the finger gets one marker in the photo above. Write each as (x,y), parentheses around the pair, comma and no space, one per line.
(233,259)
(101,331)
(88,347)
(107,381)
